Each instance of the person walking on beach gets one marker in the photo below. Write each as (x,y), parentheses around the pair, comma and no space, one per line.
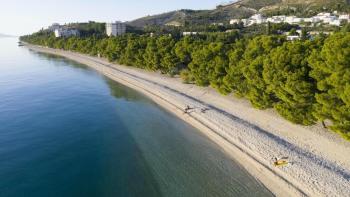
(187,109)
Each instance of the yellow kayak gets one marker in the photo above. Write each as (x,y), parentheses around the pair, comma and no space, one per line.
(281,163)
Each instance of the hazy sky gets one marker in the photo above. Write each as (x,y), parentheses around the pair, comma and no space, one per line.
(18,17)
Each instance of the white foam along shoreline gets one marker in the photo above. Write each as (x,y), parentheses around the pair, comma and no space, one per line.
(320,160)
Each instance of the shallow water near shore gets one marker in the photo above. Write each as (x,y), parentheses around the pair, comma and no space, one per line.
(65,130)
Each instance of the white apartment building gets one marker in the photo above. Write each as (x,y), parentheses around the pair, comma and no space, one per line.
(234,21)
(293,38)
(257,19)
(245,22)
(345,17)
(64,32)
(336,22)
(326,18)
(115,29)
(276,19)
(189,33)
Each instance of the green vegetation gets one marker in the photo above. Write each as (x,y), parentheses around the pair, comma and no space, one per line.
(305,81)
(306,9)
(286,73)
(241,9)
(89,29)
(331,69)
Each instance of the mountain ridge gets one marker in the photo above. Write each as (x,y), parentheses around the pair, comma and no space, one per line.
(241,9)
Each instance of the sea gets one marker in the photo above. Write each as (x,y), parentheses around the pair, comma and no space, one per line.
(66,131)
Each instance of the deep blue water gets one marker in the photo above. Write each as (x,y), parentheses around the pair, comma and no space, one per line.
(65,130)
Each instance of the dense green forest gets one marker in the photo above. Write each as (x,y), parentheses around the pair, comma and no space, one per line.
(306,81)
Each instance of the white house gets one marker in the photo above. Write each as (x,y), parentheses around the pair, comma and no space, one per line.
(235,21)
(311,20)
(292,38)
(257,19)
(245,22)
(64,32)
(344,17)
(293,20)
(336,22)
(276,19)
(115,29)
(324,17)
(189,33)
(289,19)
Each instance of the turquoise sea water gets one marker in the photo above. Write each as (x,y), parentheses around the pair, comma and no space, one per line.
(65,130)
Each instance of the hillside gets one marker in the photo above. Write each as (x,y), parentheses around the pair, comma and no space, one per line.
(220,14)
(260,5)
(242,9)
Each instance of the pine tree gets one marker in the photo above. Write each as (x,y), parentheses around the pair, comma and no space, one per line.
(209,63)
(286,72)
(169,62)
(331,69)
(234,81)
(252,69)
(151,56)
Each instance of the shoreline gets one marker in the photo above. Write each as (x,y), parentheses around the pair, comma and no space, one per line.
(320,161)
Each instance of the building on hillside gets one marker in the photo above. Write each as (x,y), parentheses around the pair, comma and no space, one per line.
(344,17)
(115,29)
(292,38)
(65,32)
(324,17)
(218,24)
(189,33)
(234,21)
(245,22)
(257,19)
(336,22)
(276,19)
(311,20)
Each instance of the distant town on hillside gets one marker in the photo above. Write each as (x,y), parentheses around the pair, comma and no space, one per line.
(289,25)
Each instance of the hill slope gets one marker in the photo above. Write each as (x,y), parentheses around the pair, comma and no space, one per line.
(266,4)
(243,9)
(221,14)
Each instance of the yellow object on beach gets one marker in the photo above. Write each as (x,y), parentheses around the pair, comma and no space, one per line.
(280,163)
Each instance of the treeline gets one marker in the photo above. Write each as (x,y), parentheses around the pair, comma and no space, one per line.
(89,29)
(305,81)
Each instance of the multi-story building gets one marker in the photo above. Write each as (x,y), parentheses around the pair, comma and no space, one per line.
(235,21)
(345,17)
(115,29)
(325,18)
(257,19)
(189,33)
(276,19)
(65,32)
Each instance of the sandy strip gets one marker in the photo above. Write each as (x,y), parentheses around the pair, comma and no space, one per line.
(320,160)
